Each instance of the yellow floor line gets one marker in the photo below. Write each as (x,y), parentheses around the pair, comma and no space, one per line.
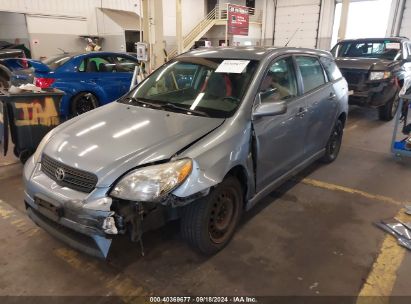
(333,187)
(381,279)
(117,284)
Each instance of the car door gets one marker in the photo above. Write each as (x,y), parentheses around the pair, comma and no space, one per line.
(125,69)
(99,73)
(321,102)
(279,138)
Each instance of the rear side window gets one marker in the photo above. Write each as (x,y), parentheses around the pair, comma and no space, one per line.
(311,72)
(333,72)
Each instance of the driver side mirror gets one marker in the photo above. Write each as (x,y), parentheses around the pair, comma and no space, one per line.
(269,108)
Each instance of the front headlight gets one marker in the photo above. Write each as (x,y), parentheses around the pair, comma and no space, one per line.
(152,183)
(379,75)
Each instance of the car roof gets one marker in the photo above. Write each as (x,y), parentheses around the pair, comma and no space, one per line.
(75,54)
(248,52)
(398,39)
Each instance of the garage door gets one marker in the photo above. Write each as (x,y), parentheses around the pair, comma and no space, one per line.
(405,29)
(299,18)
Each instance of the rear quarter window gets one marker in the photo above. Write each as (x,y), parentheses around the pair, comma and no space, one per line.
(332,70)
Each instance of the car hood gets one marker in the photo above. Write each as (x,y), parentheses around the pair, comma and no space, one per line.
(359,63)
(115,138)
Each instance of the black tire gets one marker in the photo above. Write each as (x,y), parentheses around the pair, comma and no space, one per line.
(334,143)
(209,223)
(82,103)
(388,111)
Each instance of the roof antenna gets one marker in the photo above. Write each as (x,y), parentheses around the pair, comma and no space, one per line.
(292,36)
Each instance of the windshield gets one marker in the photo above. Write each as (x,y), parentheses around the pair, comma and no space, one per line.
(196,86)
(56,61)
(384,49)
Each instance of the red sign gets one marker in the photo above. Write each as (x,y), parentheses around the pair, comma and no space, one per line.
(237,20)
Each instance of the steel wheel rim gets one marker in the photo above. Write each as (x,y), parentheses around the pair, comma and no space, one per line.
(222,216)
(335,141)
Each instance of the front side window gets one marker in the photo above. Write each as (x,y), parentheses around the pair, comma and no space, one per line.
(384,49)
(333,72)
(99,64)
(311,71)
(280,82)
(195,86)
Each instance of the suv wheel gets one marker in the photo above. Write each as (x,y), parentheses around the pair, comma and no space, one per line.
(83,103)
(388,111)
(334,143)
(209,223)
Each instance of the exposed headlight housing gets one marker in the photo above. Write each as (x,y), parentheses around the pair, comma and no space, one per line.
(379,75)
(152,183)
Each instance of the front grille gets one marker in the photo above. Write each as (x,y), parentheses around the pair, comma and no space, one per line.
(354,77)
(73,178)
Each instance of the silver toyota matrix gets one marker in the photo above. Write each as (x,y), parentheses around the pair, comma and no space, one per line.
(202,139)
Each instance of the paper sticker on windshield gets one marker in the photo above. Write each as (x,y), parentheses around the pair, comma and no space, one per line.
(232,66)
(392,46)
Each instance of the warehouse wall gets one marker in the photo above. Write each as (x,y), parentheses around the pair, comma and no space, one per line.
(193,12)
(56,24)
(405,29)
(12,26)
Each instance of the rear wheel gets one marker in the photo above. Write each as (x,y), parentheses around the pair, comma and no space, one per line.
(334,143)
(82,103)
(388,111)
(209,223)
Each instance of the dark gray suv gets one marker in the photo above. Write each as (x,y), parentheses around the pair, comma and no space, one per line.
(375,70)
(202,139)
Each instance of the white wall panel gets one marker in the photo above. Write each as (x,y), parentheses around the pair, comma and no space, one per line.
(405,29)
(297,19)
(66,7)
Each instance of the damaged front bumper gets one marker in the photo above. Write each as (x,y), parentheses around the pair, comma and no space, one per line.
(373,93)
(89,221)
(82,220)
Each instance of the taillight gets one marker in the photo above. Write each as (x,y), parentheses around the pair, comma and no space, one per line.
(44,82)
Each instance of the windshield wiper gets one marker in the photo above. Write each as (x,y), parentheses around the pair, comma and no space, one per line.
(142,102)
(173,106)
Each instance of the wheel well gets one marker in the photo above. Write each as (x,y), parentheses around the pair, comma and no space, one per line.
(343,118)
(240,173)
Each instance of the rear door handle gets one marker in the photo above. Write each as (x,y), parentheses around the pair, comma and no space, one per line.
(301,112)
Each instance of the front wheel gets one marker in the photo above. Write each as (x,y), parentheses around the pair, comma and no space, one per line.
(209,223)
(388,111)
(334,143)
(83,103)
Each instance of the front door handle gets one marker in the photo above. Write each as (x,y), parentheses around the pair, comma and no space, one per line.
(332,96)
(301,112)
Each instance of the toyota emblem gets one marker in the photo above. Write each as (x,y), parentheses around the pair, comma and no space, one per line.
(59,174)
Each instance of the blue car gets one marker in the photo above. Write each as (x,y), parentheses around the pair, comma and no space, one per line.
(88,79)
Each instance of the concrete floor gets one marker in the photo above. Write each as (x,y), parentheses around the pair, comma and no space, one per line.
(314,236)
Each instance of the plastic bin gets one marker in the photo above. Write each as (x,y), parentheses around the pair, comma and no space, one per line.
(29,117)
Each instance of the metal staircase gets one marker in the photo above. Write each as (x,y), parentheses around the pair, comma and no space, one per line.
(215,17)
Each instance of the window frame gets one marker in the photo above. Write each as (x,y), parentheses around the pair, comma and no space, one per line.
(324,69)
(303,92)
(297,81)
